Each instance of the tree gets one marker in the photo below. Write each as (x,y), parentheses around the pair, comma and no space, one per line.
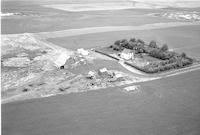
(158,54)
(161,55)
(179,62)
(164,48)
(140,41)
(132,40)
(140,48)
(171,54)
(117,42)
(117,48)
(153,44)
(125,44)
(154,53)
(124,40)
(183,55)
(132,44)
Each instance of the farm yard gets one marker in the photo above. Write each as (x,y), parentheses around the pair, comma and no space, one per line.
(147,57)
(38,73)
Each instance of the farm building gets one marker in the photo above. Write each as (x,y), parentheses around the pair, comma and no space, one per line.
(91,75)
(105,73)
(127,54)
(61,60)
(82,52)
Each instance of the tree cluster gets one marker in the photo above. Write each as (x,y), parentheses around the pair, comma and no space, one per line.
(169,59)
(167,65)
(133,44)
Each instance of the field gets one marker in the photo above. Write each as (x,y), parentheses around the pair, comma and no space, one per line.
(42,19)
(185,38)
(167,106)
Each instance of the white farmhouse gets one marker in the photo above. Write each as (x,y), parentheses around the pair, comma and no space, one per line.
(127,54)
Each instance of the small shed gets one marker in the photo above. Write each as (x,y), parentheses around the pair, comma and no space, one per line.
(105,73)
(103,70)
(91,75)
(132,88)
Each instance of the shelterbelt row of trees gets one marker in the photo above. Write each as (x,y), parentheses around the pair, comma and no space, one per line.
(167,59)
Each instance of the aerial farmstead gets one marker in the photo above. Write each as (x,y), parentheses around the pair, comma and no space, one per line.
(147,57)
